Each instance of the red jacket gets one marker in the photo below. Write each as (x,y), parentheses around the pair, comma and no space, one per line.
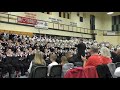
(90,72)
(75,73)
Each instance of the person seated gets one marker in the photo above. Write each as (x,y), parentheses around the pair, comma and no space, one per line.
(75,59)
(69,57)
(65,65)
(38,61)
(105,54)
(53,58)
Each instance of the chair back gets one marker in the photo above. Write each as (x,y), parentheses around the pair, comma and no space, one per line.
(117,64)
(56,71)
(39,72)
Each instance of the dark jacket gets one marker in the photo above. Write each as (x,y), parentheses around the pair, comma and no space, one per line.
(81,52)
(31,75)
(81,48)
(113,55)
(103,71)
(76,59)
(116,59)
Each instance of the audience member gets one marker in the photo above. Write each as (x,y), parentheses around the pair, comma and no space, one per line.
(106,55)
(53,58)
(65,65)
(38,61)
(117,58)
(94,60)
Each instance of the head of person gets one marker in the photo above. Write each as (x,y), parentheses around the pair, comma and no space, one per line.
(81,40)
(64,60)
(81,46)
(30,49)
(105,52)
(94,50)
(68,55)
(53,57)
(38,59)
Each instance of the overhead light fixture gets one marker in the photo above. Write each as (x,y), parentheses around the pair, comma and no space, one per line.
(110,12)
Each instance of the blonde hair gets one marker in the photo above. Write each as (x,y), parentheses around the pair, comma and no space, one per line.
(38,59)
(64,60)
(105,52)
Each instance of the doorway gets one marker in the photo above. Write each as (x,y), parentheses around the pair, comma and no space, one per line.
(92,22)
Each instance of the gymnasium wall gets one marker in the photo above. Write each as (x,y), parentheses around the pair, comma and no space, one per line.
(99,36)
(115,40)
(107,22)
(11,27)
(74,18)
(103,22)
(43,16)
(112,39)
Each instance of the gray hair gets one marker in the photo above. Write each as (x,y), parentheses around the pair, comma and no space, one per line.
(105,52)
(94,48)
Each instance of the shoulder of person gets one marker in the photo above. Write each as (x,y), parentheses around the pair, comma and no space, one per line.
(91,57)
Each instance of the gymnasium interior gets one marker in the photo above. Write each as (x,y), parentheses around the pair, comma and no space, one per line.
(59,44)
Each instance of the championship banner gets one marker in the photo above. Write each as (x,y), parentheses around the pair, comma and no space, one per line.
(24,20)
(55,20)
(41,24)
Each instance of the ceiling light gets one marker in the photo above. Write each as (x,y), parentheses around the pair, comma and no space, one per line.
(110,12)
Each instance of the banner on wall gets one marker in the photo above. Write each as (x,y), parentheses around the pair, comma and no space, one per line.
(55,20)
(41,25)
(27,21)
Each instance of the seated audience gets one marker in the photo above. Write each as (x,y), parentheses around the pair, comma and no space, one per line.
(17,52)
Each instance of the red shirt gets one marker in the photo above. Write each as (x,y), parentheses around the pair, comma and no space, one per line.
(94,60)
(106,60)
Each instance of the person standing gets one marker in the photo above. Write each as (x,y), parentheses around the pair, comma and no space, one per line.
(94,60)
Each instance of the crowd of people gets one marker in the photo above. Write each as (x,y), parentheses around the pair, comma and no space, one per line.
(18,53)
